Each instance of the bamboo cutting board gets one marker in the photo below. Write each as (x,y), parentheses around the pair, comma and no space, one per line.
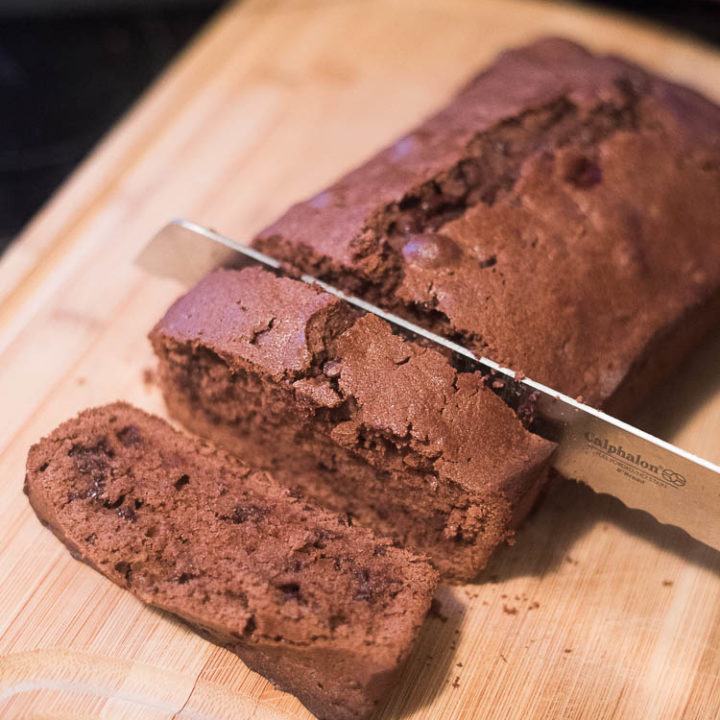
(596,612)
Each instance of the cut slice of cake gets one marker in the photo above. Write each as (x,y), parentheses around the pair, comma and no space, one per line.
(324,610)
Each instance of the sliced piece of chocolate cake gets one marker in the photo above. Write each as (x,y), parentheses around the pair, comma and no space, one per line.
(324,610)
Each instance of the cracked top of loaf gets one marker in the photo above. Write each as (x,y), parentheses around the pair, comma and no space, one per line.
(558,215)
(196,532)
(361,381)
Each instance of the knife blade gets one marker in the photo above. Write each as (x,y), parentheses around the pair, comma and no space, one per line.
(609,455)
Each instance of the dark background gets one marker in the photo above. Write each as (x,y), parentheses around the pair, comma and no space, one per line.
(66,77)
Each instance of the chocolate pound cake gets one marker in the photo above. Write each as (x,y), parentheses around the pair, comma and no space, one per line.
(355,417)
(325,610)
(559,215)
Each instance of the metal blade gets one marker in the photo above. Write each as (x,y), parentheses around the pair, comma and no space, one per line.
(610,456)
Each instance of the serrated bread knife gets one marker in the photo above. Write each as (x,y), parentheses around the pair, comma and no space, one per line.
(609,455)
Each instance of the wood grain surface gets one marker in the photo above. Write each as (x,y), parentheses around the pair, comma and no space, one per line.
(596,611)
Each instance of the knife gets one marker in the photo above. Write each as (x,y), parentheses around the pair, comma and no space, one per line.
(609,455)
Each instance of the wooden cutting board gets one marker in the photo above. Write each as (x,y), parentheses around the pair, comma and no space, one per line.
(596,612)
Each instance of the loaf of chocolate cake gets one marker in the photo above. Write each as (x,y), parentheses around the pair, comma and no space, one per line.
(325,610)
(348,413)
(559,215)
